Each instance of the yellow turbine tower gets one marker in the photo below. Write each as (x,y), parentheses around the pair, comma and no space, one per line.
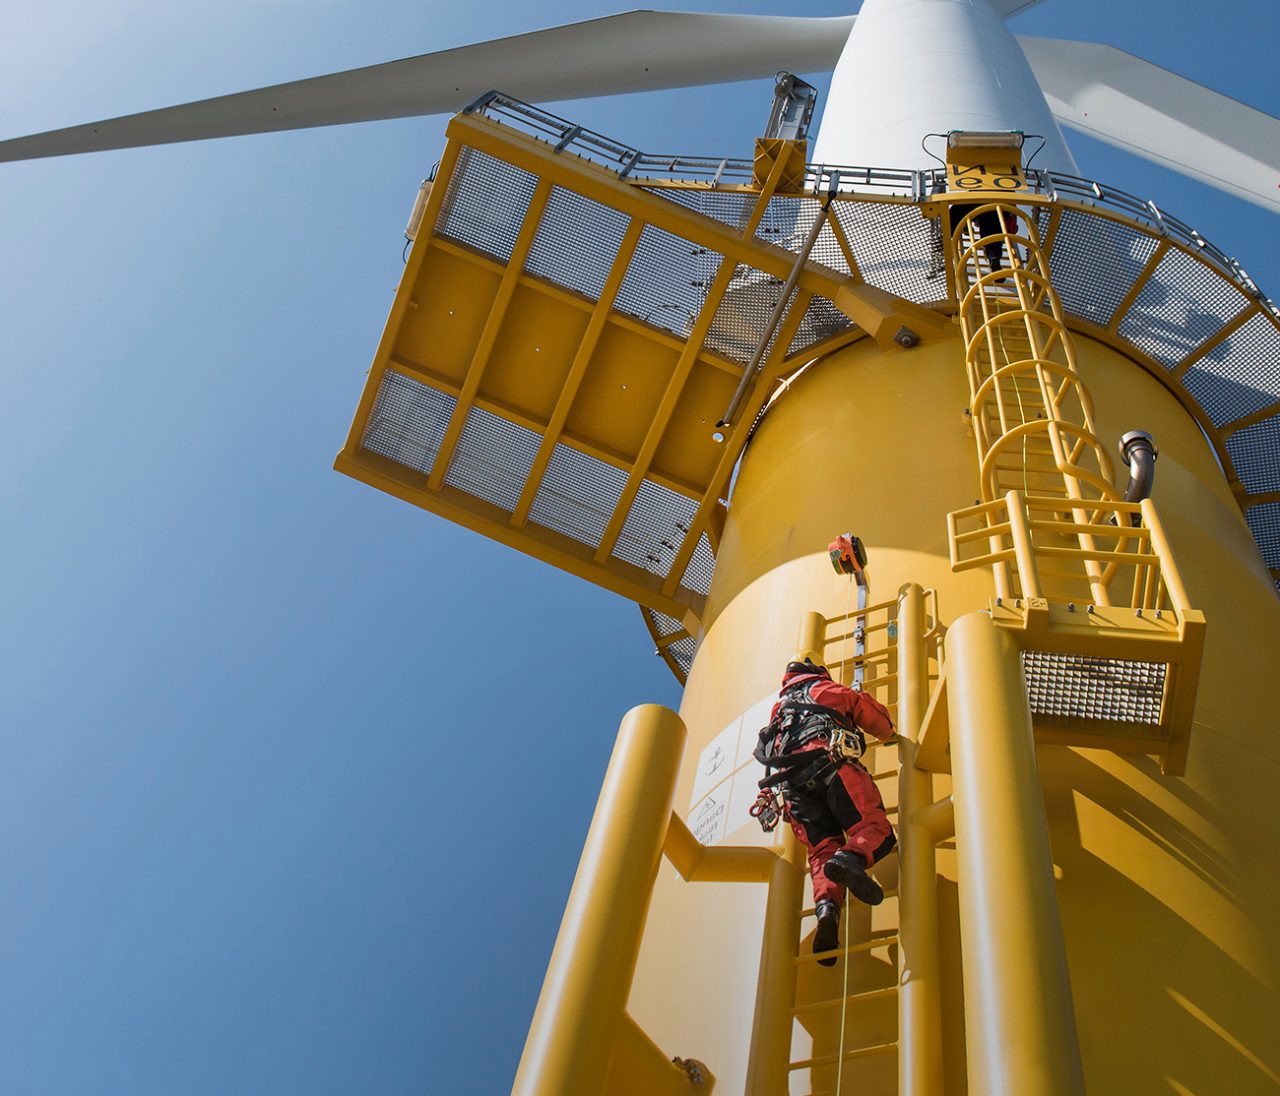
(680,377)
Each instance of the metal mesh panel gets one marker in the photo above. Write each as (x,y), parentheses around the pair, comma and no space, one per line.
(408,422)
(821,320)
(493,459)
(1240,375)
(577,495)
(727,207)
(1089,688)
(1095,263)
(682,652)
(1183,304)
(655,528)
(664,625)
(485,204)
(576,242)
(1264,524)
(1255,452)
(893,249)
(743,314)
(667,280)
(702,565)
(787,222)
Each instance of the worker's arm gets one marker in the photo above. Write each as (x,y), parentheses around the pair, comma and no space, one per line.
(864,709)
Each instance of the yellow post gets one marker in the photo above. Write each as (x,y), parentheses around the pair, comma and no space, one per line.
(1019,1022)
(812,640)
(770,1054)
(588,979)
(919,992)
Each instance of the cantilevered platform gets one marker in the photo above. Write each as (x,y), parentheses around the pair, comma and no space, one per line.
(575,317)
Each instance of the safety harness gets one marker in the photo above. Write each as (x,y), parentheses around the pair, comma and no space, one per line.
(796,723)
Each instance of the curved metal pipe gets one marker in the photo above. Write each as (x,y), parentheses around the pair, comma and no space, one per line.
(1139,449)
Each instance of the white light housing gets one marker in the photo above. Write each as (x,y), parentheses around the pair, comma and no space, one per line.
(969,138)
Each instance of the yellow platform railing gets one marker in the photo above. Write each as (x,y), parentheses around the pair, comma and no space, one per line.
(1037,549)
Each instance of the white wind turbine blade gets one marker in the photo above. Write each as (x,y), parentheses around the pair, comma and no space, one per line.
(636,51)
(1008,8)
(1141,107)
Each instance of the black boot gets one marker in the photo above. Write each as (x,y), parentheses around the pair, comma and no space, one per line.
(849,869)
(827,937)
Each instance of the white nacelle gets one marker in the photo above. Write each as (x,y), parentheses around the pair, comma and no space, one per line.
(913,67)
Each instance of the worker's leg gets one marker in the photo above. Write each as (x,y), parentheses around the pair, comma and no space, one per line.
(855,801)
(821,835)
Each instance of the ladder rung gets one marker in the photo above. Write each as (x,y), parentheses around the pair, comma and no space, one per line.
(809,911)
(853,999)
(847,1056)
(852,949)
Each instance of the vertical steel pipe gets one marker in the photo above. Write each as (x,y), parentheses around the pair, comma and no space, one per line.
(589,977)
(919,992)
(1019,1022)
(770,1053)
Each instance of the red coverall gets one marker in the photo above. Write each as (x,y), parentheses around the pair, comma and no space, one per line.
(851,813)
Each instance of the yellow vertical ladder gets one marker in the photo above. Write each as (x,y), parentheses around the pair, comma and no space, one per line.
(847,1021)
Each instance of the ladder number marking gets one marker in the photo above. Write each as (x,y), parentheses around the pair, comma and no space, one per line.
(977,177)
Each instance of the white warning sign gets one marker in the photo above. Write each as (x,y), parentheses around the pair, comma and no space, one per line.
(707,819)
(753,719)
(717,761)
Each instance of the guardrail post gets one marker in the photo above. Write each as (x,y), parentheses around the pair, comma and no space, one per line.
(584,993)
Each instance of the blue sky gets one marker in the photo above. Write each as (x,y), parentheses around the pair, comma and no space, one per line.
(276,817)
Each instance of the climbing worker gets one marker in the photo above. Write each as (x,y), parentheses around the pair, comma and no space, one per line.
(988,223)
(813,739)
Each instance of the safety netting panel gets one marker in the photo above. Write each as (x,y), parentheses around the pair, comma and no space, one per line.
(731,208)
(1183,304)
(1095,262)
(576,242)
(655,527)
(577,495)
(744,313)
(1255,452)
(1264,524)
(1240,375)
(682,652)
(1089,688)
(486,203)
(787,222)
(493,459)
(894,248)
(679,652)
(667,280)
(822,320)
(742,317)
(702,565)
(408,422)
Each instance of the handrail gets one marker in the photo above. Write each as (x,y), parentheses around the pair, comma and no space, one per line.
(850,181)
(1007,530)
